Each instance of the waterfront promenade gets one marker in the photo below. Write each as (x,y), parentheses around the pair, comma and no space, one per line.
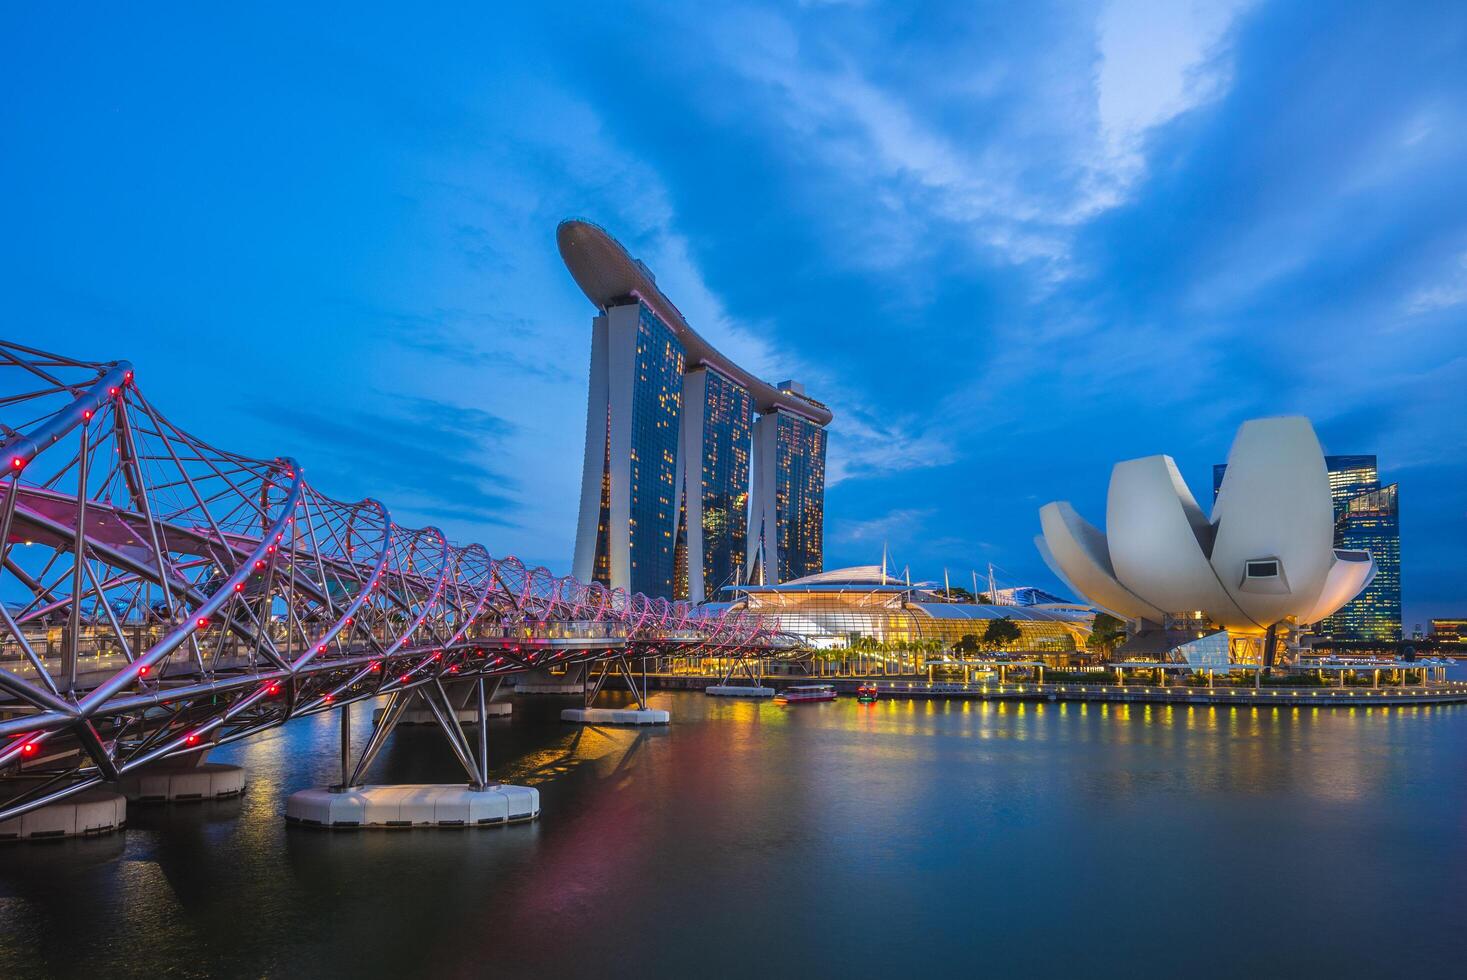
(1446,692)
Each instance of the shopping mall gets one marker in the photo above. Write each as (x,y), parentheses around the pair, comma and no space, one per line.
(862,613)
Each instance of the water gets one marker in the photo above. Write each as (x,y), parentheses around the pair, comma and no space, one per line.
(902,838)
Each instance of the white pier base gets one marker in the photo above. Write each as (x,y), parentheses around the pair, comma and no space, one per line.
(466,716)
(737,691)
(95,811)
(393,807)
(616,716)
(206,781)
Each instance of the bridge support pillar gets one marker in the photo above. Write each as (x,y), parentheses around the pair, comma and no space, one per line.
(90,813)
(640,715)
(541,681)
(183,779)
(754,689)
(461,696)
(355,806)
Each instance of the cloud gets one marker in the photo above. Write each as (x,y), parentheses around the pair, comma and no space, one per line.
(1445,293)
(1009,148)
(900,525)
(418,455)
(861,446)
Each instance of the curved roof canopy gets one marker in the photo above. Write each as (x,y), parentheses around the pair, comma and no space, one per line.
(607,273)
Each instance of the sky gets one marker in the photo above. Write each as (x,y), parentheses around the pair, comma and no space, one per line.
(1008,244)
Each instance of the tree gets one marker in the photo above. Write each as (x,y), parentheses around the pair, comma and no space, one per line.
(1001,632)
(954,594)
(967,644)
(1106,633)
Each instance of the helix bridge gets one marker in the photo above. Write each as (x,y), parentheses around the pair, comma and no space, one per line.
(160,596)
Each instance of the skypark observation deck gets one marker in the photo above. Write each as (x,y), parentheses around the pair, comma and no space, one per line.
(609,276)
(161,596)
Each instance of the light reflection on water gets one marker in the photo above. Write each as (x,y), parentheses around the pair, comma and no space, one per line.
(918,837)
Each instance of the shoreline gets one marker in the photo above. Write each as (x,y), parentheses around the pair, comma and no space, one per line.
(1451,692)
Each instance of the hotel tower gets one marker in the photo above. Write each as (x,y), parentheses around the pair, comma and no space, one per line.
(697,475)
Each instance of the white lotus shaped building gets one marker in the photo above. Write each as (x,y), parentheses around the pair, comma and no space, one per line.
(1264,560)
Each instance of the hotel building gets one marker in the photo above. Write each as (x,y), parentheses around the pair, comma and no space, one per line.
(673,430)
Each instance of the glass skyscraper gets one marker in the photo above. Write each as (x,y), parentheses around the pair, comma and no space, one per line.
(789,481)
(1366,519)
(717,427)
(800,497)
(632,451)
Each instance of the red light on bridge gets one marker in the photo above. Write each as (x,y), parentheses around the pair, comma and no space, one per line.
(143,670)
(192,738)
(321,648)
(438,655)
(112,392)
(239,586)
(202,623)
(17,462)
(328,698)
(29,748)
(274,688)
(259,565)
(270,549)
(376,668)
(349,620)
(405,678)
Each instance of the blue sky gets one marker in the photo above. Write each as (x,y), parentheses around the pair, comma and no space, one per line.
(1009,244)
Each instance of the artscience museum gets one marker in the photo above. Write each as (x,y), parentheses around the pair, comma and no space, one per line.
(1236,586)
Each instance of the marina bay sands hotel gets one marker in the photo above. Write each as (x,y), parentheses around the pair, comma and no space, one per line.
(672,426)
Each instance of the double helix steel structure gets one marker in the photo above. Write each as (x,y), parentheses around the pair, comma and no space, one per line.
(159,595)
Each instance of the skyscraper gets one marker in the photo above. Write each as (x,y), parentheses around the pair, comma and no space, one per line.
(789,482)
(1366,519)
(665,483)
(715,481)
(629,486)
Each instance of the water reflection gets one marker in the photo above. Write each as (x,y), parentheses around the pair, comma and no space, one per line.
(901,836)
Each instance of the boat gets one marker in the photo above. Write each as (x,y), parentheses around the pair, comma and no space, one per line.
(806,692)
(867,693)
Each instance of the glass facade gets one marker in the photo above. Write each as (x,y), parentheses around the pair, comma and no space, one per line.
(1369,522)
(1366,519)
(728,414)
(657,398)
(799,489)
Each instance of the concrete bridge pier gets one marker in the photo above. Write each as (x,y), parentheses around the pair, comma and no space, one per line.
(188,778)
(355,806)
(102,809)
(598,675)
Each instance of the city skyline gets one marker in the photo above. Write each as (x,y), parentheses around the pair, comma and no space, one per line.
(1005,264)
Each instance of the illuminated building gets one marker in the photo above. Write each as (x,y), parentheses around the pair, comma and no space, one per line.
(856,608)
(1219,588)
(1449,630)
(789,482)
(666,480)
(1366,518)
(715,478)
